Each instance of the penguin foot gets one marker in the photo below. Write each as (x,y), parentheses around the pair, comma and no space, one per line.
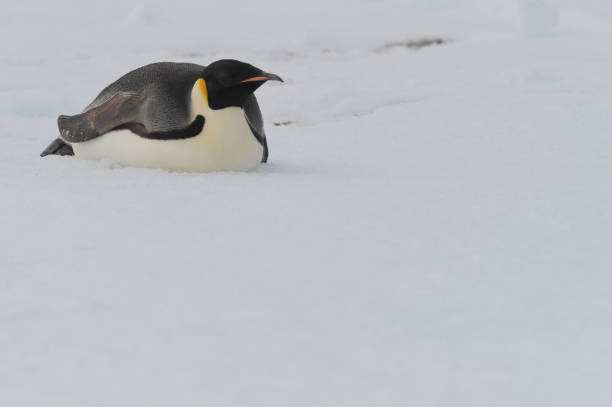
(57,147)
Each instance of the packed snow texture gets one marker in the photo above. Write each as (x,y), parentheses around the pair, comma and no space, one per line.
(432,229)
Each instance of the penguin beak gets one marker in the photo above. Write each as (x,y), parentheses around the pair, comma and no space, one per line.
(264,76)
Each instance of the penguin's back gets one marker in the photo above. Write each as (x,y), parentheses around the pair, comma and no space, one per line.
(166,87)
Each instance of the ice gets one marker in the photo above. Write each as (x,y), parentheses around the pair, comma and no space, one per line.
(540,17)
(432,229)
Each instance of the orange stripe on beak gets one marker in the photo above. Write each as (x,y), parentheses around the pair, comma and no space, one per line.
(255,79)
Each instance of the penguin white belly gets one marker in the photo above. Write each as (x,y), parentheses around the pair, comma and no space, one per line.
(226,143)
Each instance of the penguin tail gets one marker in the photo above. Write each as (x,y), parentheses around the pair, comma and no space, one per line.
(57,147)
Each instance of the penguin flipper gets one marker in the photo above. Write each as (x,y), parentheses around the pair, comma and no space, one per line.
(57,147)
(122,108)
(255,121)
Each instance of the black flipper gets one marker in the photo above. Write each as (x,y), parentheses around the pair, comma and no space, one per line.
(57,147)
(122,108)
(264,158)
(255,121)
(125,110)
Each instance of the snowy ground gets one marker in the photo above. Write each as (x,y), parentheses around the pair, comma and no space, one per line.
(433,228)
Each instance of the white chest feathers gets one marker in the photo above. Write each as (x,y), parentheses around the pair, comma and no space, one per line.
(226,143)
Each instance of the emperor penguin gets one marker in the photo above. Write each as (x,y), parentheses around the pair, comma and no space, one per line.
(174,116)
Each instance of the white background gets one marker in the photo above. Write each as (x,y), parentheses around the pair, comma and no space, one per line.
(432,229)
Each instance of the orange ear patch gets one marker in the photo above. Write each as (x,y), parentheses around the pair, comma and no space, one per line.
(202,85)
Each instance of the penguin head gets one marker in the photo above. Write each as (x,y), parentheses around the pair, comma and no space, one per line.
(230,82)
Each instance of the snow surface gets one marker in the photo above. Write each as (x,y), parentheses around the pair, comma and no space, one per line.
(433,228)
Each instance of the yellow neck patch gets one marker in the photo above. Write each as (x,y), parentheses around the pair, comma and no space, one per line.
(202,86)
